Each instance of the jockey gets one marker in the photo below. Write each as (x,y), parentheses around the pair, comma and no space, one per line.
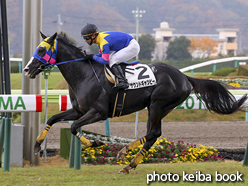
(124,48)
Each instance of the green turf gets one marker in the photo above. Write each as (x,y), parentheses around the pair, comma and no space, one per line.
(107,174)
(53,80)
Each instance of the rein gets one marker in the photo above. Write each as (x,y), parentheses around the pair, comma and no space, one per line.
(63,62)
(48,65)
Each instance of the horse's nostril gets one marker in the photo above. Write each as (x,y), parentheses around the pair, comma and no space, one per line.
(26,70)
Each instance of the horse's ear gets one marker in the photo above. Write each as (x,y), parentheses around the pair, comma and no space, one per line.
(52,38)
(43,35)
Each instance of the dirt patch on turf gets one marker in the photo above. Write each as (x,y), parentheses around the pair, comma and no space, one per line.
(224,134)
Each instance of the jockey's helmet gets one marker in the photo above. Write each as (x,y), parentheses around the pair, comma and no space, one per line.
(88,30)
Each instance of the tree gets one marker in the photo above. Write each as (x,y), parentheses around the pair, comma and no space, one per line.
(208,45)
(178,49)
(194,47)
(203,46)
(147,46)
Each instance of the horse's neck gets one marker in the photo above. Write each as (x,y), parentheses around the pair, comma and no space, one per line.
(71,73)
(75,72)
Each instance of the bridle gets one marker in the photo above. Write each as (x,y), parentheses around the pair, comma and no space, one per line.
(49,59)
(46,65)
(46,59)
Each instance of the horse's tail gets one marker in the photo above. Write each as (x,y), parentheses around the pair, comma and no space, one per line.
(215,96)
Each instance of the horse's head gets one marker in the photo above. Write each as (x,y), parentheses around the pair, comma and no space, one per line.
(44,55)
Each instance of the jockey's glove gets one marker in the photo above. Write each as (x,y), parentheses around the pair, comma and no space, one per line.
(88,57)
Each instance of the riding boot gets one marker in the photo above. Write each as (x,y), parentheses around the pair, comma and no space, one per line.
(121,80)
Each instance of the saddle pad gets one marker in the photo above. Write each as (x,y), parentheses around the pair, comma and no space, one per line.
(138,76)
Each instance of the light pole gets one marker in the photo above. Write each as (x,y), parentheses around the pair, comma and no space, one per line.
(60,23)
(138,14)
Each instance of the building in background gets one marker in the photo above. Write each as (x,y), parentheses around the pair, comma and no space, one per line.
(163,36)
(227,41)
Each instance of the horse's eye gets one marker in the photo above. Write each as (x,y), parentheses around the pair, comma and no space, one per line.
(41,52)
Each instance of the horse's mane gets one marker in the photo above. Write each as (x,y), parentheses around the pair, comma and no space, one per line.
(63,37)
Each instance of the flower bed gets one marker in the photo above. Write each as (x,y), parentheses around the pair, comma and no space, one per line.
(237,83)
(162,151)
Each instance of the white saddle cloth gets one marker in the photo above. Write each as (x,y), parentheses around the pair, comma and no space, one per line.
(138,76)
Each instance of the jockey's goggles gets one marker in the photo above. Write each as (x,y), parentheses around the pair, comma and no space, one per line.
(87,37)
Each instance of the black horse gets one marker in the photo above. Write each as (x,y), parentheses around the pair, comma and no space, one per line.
(93,97)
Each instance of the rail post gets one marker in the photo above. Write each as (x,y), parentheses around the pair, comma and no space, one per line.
(46,73)
(136,124)
(246,156)
(71,156)
(246,114)
(1,139)
(7,131)
(107,127)
(7,90)
(236,64)
(214,67)
(78,153)
(20,66)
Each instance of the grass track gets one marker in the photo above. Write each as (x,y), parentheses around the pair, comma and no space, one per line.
(53,80)
(49,174)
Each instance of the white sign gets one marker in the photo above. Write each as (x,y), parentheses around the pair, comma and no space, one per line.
(20,103)
(242,63)
(192,102)
(64,102)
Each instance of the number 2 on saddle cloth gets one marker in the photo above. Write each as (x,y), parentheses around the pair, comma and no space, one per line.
(138,76)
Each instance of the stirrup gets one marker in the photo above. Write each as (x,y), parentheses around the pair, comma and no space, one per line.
(118,84)
(122,86)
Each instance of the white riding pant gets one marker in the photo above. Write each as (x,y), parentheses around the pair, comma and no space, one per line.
(124,54)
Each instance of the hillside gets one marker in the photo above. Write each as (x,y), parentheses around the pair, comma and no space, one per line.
(186,16)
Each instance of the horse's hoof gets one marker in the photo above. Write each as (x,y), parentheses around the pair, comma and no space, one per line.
(97,143)
(125,170)
(36,148)
(122,153)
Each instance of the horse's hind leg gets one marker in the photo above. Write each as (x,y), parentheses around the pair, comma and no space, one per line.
(70,114)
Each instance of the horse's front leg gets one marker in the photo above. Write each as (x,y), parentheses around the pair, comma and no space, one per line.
(153,132)
(68,115)
(129,147)
(139,156)
(91,116)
